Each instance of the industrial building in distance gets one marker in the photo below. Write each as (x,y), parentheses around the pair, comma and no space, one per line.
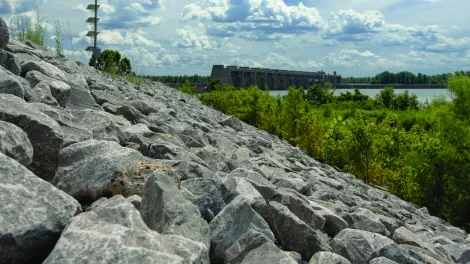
(273,78)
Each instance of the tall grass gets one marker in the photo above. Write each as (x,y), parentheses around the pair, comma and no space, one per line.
(21,29)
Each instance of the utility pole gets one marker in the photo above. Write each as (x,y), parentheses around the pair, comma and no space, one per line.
(95,49)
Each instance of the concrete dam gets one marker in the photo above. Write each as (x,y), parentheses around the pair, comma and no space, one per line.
(273,78)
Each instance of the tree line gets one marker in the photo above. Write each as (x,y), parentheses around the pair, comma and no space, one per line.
(404,77)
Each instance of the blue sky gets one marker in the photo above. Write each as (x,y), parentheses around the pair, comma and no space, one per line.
(352,37)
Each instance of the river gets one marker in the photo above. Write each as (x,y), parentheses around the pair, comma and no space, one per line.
(422,94)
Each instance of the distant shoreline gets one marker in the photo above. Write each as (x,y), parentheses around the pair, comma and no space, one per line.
(395,86)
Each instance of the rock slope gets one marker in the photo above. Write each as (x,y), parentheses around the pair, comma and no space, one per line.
(100,170)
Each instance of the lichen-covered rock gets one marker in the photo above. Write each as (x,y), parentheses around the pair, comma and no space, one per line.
(93,169)
(113,232)
(15,143)
(33,214)
(43,132)
(165,210)
(4,34)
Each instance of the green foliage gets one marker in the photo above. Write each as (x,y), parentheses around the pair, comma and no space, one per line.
(186,88)
(194,79)
(58,38)
(111,62)
(320,95)
(124,67)
(22,30)
(421,154)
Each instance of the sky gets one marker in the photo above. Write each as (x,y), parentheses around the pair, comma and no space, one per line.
(353,37)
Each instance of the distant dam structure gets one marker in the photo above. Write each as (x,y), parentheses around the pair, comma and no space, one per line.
(275,79)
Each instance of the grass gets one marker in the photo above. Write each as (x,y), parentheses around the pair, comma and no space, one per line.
(23,30)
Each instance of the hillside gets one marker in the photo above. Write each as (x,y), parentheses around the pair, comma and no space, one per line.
(99,170)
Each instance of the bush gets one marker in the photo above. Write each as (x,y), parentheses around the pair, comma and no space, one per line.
(22,30)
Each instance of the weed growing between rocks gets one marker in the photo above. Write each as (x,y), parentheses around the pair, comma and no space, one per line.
(22,29)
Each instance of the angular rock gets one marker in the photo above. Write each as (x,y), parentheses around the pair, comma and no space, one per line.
(189,169)
(73,129)
(398,254)
(114,232)
(300,207)
(60,91)
(207,195)
(44,94)
(80,98)
(364,219)
(128,112)
(93,169)
(4,34)
(357,246)
(234,187)
(328,258)
(147,107)
(295,183)
(268,253)
(246,243)
(44,68)
(107,96)
(165,210)
(334,224)
(459,253)
(35,77)
(166,150)
(9,85)
(43,132)
(232,223)
(293,234)
(104,126)
(232,122)
(15,143)
(33,214)
(10,62)
(404,236)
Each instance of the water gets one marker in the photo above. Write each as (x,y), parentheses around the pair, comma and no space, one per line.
(422,94)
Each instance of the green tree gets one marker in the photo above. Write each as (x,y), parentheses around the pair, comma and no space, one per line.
(386,97)
(124,66)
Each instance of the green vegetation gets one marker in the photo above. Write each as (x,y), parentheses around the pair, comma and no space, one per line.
(404,77)
(186,88)
(112,63)
(22,30)
(58,38)
(418,152)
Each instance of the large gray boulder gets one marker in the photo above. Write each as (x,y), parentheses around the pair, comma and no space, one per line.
(15,143)
(43,132)
(60,91)
(246,243)
(328,258)
(9,85)
(334,224)
(44,94)
(268,253)
(232,122)
(293,234)
(44,68)
(114,232)
(4,34)
(358,245)
(93,169)
(33,214)
(300,207)
(73,129)
(382,260)
(364,219)
(231,223)
(459,253)
(10,62)
(165,210)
